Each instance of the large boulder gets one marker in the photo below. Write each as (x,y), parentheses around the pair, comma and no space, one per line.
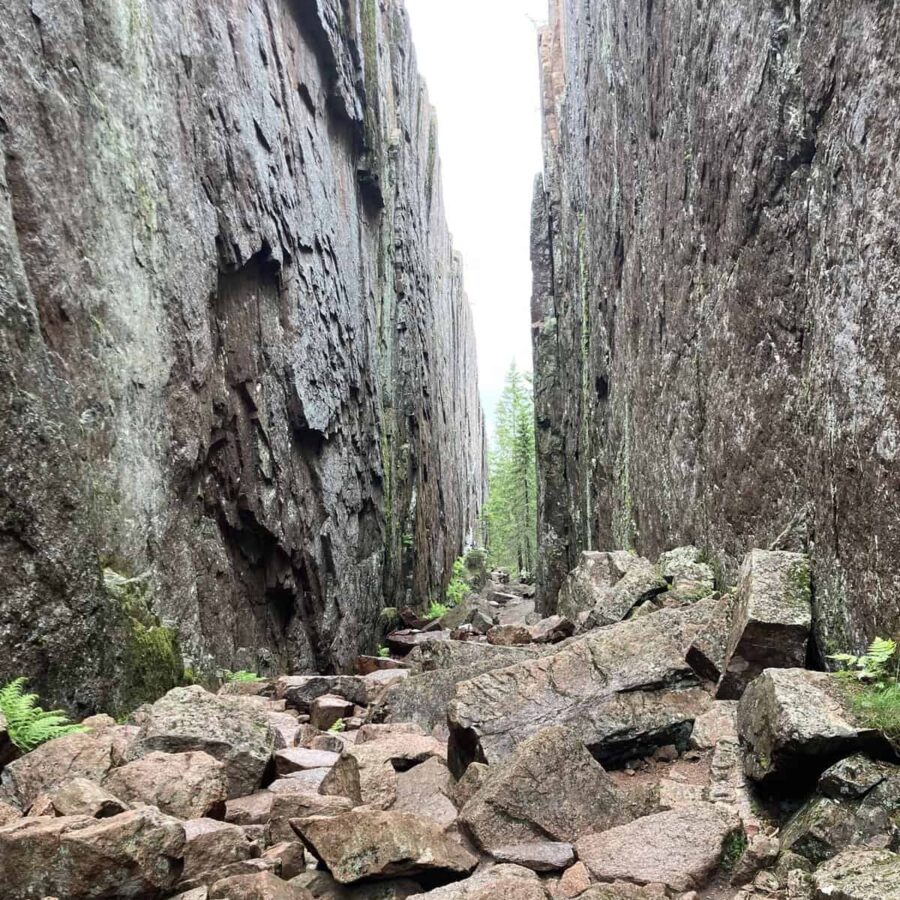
(794,724)
(211,846)
(551,789)
(708,651)
(299,806)
(772,619)
(367,773)
(859,875)
(502,882)
(622,687)
(688,576)
(82,797)
(426,790)
(680,848)
(186,785)
(260,886)
(88,755)
(135,854)
(299,691)
(456,654)
(367,843)
(192,719)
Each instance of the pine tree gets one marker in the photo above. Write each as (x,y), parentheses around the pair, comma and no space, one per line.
(511,510)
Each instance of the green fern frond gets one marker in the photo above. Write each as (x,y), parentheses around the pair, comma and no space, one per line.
(881,650)
(28,725)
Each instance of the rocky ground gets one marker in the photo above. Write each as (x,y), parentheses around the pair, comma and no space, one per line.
(655,739)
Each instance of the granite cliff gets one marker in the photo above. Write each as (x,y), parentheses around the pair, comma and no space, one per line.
(715,307)
(237,366)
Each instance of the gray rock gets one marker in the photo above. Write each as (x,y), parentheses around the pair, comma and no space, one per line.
(299,759)
(708,651)
(859,875)
(501,882)
(299,691)
(539,856)
(853,777)
(772,619)
(552,630)
(595,573)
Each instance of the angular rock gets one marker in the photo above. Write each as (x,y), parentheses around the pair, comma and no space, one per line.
(620,687)
(191,719)
(426,790)
(136,854)
(640,583)
(261,886)
(575,880)
(689,578)
(718,723)
(551,630)
(299,691)
(254,809)
(367,843)
(401,642)
(299,759)
(367,773)
(374,732)
(761,852)
(509,635)
(456,654)
(210,846)
(795,724)
(501,882)
(819,830)
(289,858)
(596,573)
(81,797)
(620,890)
(321,885)
(539,856)
(852,778)
(707,653)
(772,619)
(551,789)
(859,875)
(481,621)
(185,785)
(306,782)
(300,806)
(365,665)
(680,848)
(328,710)
(473,779)
(8,814)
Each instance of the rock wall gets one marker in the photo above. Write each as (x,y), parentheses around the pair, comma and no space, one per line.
(237,366)
(716,278)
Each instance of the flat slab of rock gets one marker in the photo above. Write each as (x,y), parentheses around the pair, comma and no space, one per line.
(502,882)
(539,856)
(628,676)
(184,785)
(795,724)
(136,854)
(708,651)
(368,843)
(299,691)
(299,759)
(859,875)
(772,619)
(401,642)
(552,788)
(366,665)
(231,731)
(81,797)
(680,848)
(456,654)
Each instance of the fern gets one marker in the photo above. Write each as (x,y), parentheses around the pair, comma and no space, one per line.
(28,725)
(241,677)
(874,665)
(338,727)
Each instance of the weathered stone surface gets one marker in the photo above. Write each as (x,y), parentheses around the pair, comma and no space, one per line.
(457,654)
(299,691)
(81,797)
(307,782)
(859,875)
(795,724)
(539,856)
(508,635)
(689,577)
(328,710)
(235,341)
(191,718)
(575,880)
(708,651)
(718,723)
(551,789)
(853,777)
(367,773)
(8,813)
(210,846)
(713,345)
(371,843)
(405,640)
(261,886)
(375,732)
(551,630)
(135,854)
(502,882)
(254,809)
(289,858)
(772,619)
(426,790)
(606,687)
(321,885)
(185,785)
(299,759)
(680,848)
(300,806)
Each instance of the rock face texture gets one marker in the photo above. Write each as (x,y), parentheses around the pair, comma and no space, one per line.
(714,309)
(237,365)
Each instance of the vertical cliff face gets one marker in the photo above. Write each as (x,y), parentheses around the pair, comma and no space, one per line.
(715,303)
(237,366)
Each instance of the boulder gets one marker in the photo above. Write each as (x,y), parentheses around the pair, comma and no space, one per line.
(82,755)
(210,846)
(481,621)
(596,573)
(551,630)
(328,710)
(377,682)
(401,642)
(539,856)
(509,635)
(321,885)
(81,797)
(622,689)
(689,578)
(852,778)
(680,848)
(456,654)
(374,732)
(299,691)
(307,782)
(551,789)
(367,773)
(795,723)
(473,779)
(426,790)
(289,858)
(366,665)
(574,881)
(859,875)
(706,655)
(368,843)
(502,882)
(300,806)
(8,814)
(299,759)
(718,723)
(772,619)
(260,886)
(135,854)
(186,785)
(254,809)
(191,719)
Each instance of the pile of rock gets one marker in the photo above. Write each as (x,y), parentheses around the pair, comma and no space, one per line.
(668,745)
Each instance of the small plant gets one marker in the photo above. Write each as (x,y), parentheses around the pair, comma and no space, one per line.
(28,725)
(338,727)
(732,850)
(458,589)
(241,677)
(437,610)
(879,665)
(384,652)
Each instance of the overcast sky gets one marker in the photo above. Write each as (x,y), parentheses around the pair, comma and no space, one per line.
(479,58)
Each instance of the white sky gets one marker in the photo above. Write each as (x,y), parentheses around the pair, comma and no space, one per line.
(479,58)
